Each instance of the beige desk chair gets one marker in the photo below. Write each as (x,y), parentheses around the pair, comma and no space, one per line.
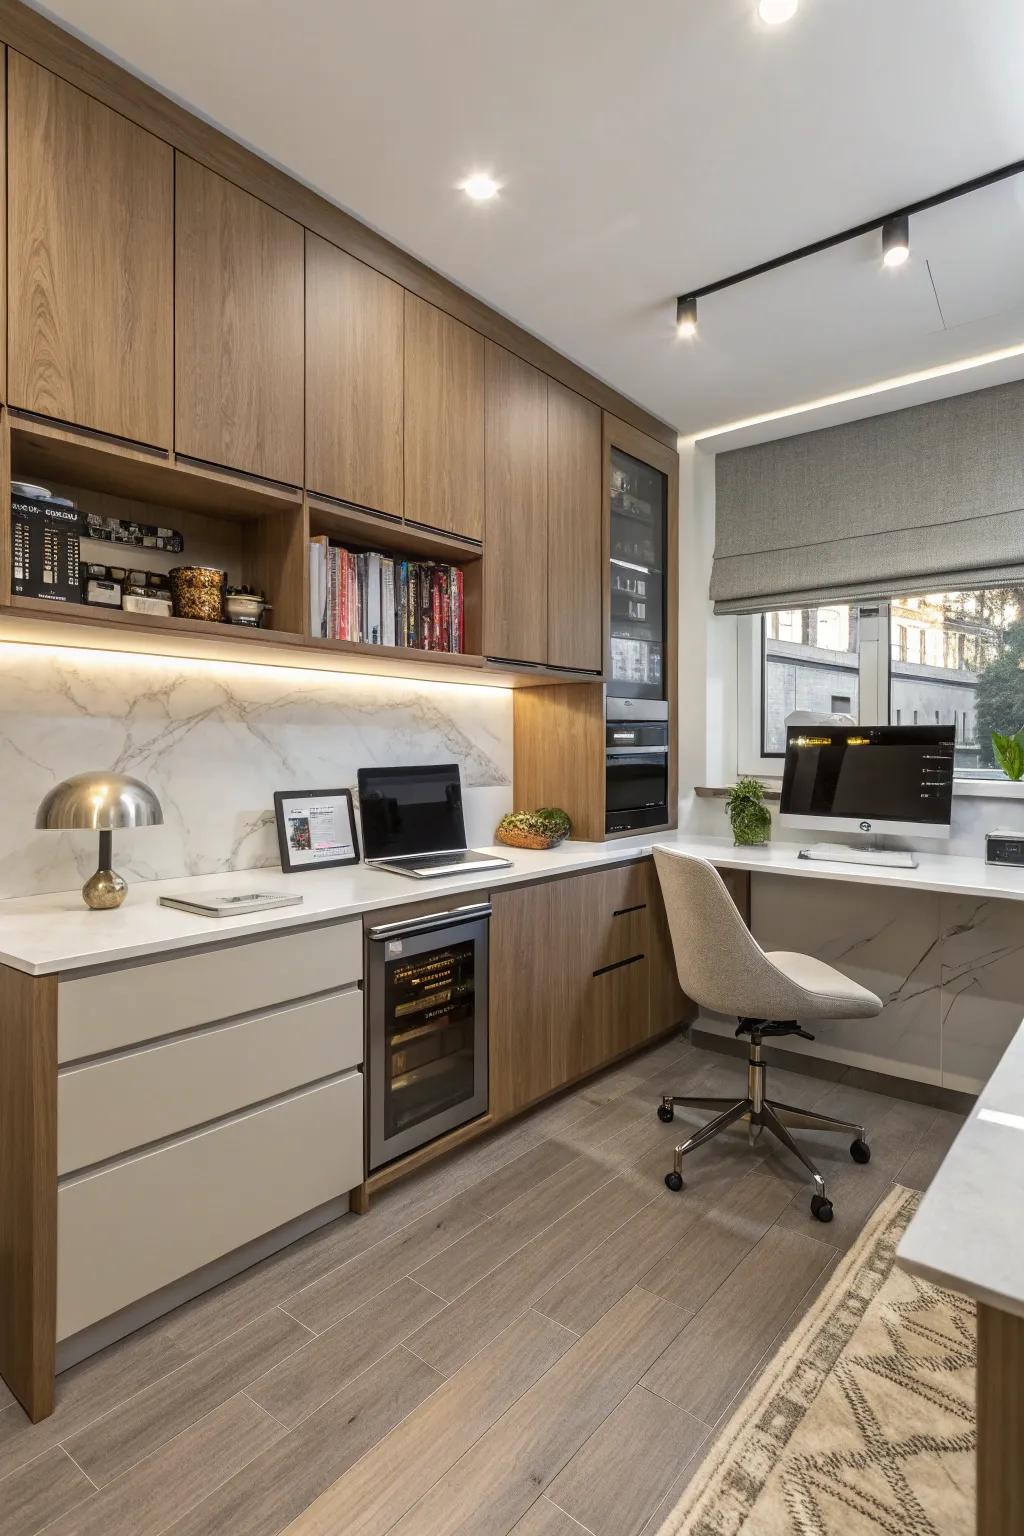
(723,968)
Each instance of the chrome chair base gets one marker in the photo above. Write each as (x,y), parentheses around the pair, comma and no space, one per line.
(766,1114)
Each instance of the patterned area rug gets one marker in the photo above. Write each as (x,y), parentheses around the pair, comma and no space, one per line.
(864,1420)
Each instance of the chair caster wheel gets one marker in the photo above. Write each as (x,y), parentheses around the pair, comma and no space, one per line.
(666,1113)
(821,1208)
(860,1151)
(674,1182)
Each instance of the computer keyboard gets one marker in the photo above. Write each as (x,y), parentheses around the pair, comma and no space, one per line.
(841,853)
(435,860)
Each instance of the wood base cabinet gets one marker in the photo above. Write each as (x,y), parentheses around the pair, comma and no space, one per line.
(580,974)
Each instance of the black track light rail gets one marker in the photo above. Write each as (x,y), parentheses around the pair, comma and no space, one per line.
(1015,168)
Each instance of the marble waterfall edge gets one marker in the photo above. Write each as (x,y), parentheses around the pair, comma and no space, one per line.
(215,741)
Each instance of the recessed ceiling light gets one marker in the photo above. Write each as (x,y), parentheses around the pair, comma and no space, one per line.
(480,187)
(774,12)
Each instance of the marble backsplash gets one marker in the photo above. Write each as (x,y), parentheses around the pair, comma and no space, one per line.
(215,741)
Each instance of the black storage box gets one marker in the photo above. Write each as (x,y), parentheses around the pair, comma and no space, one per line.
(45,549)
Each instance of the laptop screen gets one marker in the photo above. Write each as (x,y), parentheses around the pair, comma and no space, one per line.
(411,810)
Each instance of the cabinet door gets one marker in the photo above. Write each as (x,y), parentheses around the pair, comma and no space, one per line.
(238,320)
(444,421)
(515,616)
(355,324)
(575,545)
(91,243)
(611,1011)
(534,989)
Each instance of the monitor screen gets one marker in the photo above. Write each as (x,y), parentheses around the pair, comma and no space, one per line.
(870,774)
(411,810)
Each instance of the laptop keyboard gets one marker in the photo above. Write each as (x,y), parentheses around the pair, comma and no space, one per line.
(435,860)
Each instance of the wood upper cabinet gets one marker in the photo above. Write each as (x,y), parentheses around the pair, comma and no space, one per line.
(355,328)
(444,421)
(575,537)
(91,250)
(239,324)
(515,616)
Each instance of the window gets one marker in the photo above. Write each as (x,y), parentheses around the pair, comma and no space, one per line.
(809,662)
(951,658)
(969,673)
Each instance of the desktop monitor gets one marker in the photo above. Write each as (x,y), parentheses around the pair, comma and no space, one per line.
(869,778)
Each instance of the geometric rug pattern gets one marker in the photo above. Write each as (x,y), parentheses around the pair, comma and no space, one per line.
(863,1422)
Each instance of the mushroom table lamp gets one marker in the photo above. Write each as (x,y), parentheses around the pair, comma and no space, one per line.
(99,802)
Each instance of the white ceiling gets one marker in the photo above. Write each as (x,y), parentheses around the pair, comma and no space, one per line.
(645,147)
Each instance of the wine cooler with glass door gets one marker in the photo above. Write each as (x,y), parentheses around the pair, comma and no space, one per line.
(427,1028)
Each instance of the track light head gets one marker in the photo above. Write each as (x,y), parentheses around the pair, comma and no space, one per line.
(686,318)
(896,240)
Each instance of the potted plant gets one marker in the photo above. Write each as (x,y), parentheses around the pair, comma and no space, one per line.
(750,818)
(1009,753)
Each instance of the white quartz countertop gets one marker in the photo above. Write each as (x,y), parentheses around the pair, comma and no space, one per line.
(967,1233)
(43,934)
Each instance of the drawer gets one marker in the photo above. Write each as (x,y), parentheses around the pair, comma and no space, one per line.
(618,904)
(107,1010)
(127,1230)
(111,1106)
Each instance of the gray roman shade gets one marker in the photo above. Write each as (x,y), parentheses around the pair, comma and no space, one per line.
(929,498)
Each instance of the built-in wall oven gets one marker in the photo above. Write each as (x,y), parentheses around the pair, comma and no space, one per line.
(636,764)
(426,985)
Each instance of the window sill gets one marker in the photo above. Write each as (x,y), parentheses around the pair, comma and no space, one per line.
(988,789)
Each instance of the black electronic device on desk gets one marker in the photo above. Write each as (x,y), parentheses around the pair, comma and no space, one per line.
(413,823)
(872,779)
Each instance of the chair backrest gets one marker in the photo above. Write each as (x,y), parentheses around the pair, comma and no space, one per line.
(720,964)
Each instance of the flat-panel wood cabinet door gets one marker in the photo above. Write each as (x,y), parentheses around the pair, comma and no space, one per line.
(239,325)
(444,421)
(355,328)
(91,253)
(575,538)
(534,989)
(515,616)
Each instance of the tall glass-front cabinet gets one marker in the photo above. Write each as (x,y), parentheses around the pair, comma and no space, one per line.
(606,751)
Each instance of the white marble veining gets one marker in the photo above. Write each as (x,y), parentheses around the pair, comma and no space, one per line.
(965,1233)
(215,741)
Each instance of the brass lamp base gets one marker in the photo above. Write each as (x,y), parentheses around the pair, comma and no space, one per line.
(105,888)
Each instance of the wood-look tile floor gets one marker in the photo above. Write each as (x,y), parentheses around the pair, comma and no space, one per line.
(531,1336)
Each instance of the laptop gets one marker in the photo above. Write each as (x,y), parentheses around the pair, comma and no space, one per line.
(413,824)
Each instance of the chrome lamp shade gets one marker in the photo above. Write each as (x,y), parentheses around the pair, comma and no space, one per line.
(100,802)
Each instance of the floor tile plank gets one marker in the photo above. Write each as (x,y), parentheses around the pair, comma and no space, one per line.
(546,1519)
(271,1491)
(302,1383)
(717,1349)
(337,1294)
(524,1173)
(39,1492)
(388,1481)
(471,1321)
(145,1422)
(88,1391)
(488,1245)
(619,1476)
(496,1481)
(694,1269)
(597,1282)
(155,1493)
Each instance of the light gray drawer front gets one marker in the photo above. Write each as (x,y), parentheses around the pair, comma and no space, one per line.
(108,1010)
(128,1230)
(108,1107)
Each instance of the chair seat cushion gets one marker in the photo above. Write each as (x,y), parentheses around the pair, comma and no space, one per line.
(829,994)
